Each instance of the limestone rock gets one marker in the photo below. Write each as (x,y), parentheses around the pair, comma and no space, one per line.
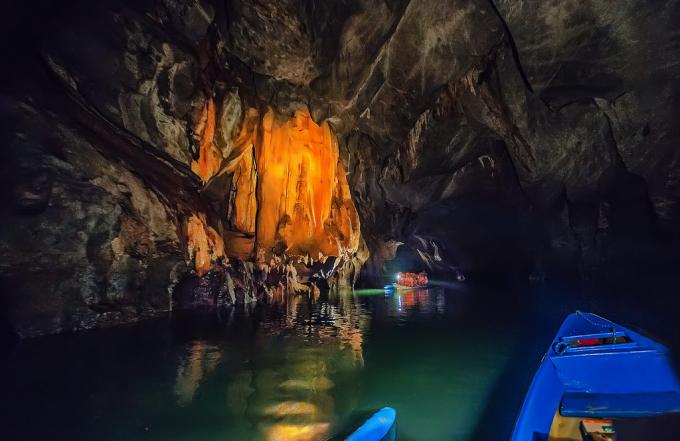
(513,135)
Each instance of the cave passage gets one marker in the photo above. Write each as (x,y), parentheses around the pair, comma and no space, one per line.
(205,204)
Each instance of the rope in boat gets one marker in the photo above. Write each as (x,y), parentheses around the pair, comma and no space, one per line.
(592,322)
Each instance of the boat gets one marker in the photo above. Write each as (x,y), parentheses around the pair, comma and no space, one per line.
(409,281)
(593,373)
(397,286)
(381,426)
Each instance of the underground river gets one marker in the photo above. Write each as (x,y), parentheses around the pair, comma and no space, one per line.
(452,362)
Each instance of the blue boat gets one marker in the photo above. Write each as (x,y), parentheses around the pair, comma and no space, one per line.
(595,371)
(379,427)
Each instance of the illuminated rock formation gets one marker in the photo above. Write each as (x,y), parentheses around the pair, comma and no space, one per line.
(205,244)
(288,196)
(209,159)
(305,207)
(242,208)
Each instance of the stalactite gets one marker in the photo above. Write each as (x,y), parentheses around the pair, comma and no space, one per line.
(205,244)
(210,158)
(288,195)
(244,206)
(300,181)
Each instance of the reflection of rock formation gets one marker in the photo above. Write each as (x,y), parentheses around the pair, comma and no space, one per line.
(297,432)
(304,354)
(201,359)
(349,327)
(301,406)
(290,392)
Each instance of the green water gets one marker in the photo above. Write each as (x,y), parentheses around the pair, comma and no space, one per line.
(453,362)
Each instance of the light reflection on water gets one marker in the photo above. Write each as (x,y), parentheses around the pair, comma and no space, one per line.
(297,369)
(200,360)
(454,363)
(294,402)
(286,390)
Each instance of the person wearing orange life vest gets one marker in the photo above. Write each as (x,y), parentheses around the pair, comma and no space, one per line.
(412,279)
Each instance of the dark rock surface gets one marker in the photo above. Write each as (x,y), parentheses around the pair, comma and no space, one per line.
(96,170)
(529,136)
(84,241)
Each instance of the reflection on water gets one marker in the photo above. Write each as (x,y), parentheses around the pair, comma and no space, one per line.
(301,368)
(311,343)
(428,301)
(200,360)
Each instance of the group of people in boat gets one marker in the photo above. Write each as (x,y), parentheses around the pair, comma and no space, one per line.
(412,279)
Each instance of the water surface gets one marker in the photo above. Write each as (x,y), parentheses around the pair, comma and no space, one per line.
(454,362)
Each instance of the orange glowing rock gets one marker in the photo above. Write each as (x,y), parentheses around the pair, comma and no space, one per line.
(244,142)
(289,191)
(210,158)
(205,244)
(243,204)
(304,205)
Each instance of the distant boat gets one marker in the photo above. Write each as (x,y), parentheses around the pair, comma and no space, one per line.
(594,371)
(409,281)
(402,287)
(381,426)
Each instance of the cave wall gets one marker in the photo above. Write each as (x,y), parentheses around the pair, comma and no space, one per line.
(568,107)
(145,172)
(138,174)
(84,241)
(606,79)
(96,172)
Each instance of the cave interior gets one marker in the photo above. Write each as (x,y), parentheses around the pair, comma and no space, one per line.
(167,155)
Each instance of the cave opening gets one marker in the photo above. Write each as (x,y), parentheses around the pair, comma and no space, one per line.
(216,195)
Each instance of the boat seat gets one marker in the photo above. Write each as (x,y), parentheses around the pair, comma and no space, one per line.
(579,404)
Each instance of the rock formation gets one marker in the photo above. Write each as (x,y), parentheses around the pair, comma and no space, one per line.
(163,154)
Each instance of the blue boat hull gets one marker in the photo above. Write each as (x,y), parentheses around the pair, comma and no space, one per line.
(379,427)
(596,368)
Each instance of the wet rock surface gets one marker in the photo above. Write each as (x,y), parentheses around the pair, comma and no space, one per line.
(84,241)
(501,134)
